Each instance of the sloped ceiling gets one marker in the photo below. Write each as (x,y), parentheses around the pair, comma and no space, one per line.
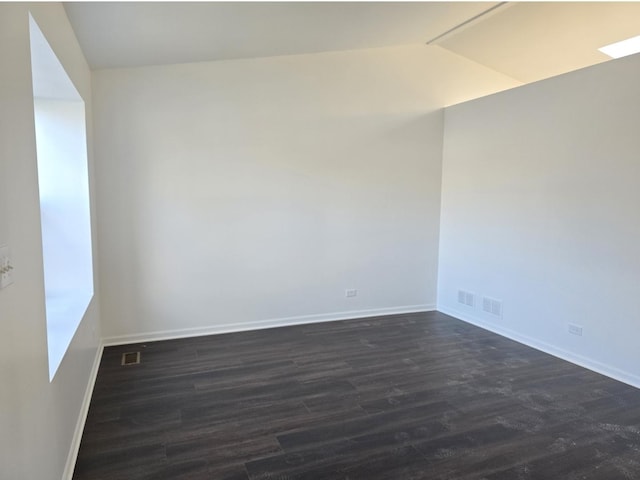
(138,33)
(525,41)
(532,41)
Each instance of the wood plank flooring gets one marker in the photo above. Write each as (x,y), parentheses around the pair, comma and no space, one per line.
(417,396)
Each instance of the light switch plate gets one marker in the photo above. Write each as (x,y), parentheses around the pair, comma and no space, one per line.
(6,267)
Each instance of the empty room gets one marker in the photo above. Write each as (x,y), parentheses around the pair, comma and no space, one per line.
(319,240)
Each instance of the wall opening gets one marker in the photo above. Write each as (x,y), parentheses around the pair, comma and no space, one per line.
(63,182)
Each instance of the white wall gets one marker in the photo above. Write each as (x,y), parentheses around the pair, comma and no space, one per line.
(38,419)
(541,188)
(245,193)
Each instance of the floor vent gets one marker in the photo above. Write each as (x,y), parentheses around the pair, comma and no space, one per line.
(130,358)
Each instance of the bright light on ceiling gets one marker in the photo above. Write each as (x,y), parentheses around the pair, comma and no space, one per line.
(622,48)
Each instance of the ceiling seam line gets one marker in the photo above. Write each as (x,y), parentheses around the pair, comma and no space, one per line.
(466,22)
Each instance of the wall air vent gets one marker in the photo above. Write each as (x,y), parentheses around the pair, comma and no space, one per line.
(466,298)
(492,306)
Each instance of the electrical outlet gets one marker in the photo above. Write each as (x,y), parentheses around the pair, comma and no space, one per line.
(6,268)
(351,292)
(575,329)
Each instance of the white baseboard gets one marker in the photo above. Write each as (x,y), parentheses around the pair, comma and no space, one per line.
(588,363)
(261,324)
(82,417)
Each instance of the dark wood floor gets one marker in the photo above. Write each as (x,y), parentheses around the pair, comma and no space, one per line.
(418,396)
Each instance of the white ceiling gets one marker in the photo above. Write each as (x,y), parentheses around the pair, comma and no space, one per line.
(139,33)
(526,41)
(532,41)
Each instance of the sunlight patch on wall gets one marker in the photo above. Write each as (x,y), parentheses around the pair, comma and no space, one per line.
(61,145)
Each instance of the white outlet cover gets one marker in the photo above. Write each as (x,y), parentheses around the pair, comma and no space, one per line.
(575,329)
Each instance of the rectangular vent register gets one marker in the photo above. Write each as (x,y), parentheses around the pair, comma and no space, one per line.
(130,358)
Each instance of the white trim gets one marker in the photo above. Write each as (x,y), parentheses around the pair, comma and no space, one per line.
(82,417)
(588,363)
(262,324)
